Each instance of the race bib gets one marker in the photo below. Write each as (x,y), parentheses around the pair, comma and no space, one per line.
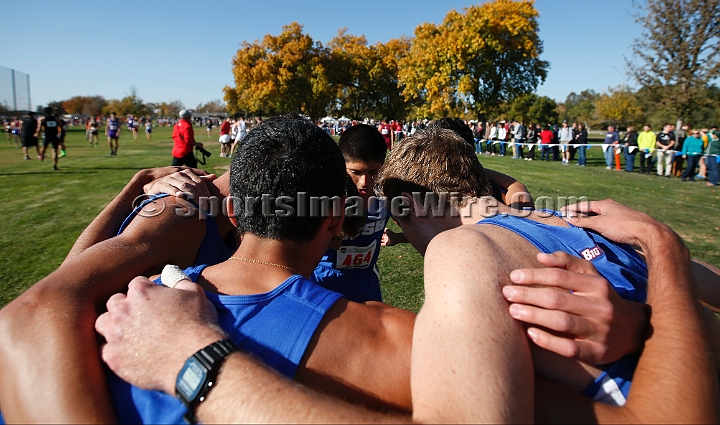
(51,124)
(355,257)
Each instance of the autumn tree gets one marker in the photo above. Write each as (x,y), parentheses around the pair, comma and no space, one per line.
(619,106)
(475,60)
(128,105)
(231,100)
(87,105)
(678,54)
(364,76)
(284,73)
(352,60)
(391,102)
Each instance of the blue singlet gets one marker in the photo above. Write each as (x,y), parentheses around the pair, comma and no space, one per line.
(618,263)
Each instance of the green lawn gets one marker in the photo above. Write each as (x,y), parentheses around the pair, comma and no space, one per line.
(45,211)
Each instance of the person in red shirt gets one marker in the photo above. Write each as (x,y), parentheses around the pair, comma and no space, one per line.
(387,132)
(225,138)
(184,141)
(546,137)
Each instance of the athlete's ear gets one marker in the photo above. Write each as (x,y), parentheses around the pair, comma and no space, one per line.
(414,208)
(230,208)
(336,221)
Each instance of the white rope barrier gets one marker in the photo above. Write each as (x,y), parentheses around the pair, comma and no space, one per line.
(604,146)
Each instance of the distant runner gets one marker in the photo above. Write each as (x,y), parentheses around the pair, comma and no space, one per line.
(51,126)
(112,131)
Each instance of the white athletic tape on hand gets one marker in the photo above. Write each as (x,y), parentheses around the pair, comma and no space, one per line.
(171,275)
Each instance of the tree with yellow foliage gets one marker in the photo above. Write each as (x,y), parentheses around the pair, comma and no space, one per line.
(619,106)
(284,73)
(475,60)
(365,76)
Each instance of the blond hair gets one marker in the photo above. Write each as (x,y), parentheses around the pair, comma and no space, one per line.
(433,160)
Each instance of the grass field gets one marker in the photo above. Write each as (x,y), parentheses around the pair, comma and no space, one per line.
(44,211)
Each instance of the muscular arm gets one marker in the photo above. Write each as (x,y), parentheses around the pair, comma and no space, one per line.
(49,362)
(108,222)
(471,361)
(516,195)
(675,380)
(361,353)
(462,322)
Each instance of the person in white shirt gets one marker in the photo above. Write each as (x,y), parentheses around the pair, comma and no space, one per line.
(502,137)
(519,133)
(565,136)
(240,132)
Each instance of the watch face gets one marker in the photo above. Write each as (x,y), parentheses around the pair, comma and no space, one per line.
(191,379)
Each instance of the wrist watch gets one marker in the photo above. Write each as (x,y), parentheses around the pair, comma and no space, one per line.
(198,375)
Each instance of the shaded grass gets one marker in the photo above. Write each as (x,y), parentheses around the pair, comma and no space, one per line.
(44,211)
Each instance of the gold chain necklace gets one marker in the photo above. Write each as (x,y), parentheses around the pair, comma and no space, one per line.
(266,264)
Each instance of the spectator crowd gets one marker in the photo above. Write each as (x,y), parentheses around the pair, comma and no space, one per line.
(687,153)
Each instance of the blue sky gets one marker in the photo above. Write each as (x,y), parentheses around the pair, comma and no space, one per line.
(183,49)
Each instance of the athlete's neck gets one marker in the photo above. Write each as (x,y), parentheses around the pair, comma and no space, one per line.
(261,264)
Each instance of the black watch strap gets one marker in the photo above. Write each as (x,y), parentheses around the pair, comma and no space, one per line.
(210,359)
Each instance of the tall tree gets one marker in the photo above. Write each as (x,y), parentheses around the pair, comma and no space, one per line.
(128,105)
(706,114)
(475,60)
(581,107)
(678,53)
(88,105)
(284,73)
(543,111)
(352,59)
(231,100)
(365,76)
(619,107)
(520,107)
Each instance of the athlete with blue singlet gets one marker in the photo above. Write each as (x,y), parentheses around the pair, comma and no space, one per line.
(516,234)
(351,267)
(112,131)
(261,287)
(350,333)
(463,254)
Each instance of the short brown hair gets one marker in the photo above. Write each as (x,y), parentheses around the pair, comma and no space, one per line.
(433,160)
